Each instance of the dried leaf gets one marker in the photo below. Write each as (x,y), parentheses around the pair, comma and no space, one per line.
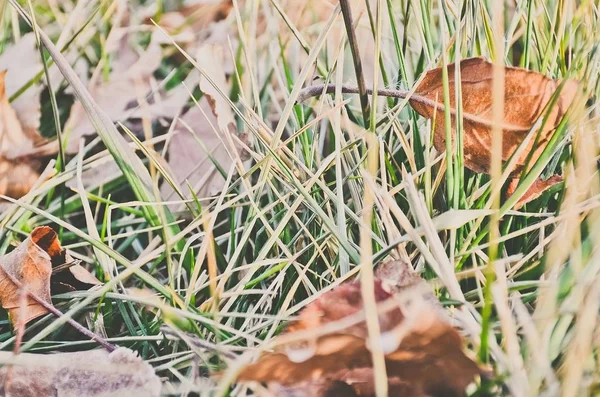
(194,142)
(526,95)
(200,136)
(128,81)
(19,120)
(210,60)
(87,373)
(423,351)
(202,15)
(67,273)
(19,74)
(536,190)
(31,264)
(17,177)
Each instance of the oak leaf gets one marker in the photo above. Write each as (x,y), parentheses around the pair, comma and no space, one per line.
(526,94)
(32,265)
(423,352)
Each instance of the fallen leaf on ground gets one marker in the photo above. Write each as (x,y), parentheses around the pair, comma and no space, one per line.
(31,264)
(19,74)
(526,95)
(195,17)
(423,352)
(18,169)
(192,149)
(131,71)
(203,136)
(88,373)
(210,60)
(67,274)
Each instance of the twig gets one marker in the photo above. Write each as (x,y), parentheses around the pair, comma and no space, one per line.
(360,79)
(80,328)
(316,90)
(194,340)
(65,266)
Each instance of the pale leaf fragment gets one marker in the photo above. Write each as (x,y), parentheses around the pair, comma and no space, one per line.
(91,373)
(18,169)
(22,62)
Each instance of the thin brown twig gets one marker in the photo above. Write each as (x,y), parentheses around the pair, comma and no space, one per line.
(319,89)
(197,342)
(316,90)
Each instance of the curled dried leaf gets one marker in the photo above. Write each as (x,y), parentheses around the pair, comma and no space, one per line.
(423,352)
(526,95)
(31,264)
(67,274)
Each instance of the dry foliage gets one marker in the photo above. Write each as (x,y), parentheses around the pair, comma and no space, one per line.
(18,170)
(206,134)
(87,373)
(18,74)
(120,94)
(526,95)
(423,352)
(32,265)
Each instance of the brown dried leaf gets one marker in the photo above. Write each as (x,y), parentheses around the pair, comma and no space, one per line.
(423,352)
(87,373)
(31,264)
(526,95)
(536,190)
(67,274)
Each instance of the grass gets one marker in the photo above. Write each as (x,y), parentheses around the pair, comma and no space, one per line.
(295,220)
